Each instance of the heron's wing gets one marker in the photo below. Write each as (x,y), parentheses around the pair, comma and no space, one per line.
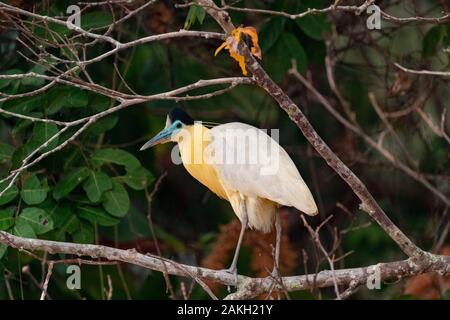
(251,162)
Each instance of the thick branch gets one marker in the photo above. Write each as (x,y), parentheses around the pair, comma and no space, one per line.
(247,287)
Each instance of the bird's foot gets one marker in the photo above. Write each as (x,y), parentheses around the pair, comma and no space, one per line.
(233,271)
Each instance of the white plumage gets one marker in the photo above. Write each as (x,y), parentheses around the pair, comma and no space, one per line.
(264,184)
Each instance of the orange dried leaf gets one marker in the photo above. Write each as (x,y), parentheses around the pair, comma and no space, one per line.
(223,45)
(240,60)
(251,32)
(231,44)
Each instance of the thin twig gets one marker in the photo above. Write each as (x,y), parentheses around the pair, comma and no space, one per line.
(47,279)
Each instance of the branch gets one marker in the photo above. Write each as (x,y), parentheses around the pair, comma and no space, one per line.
(311,11)
(357,10)
(89,120)
(354,127)
(247,287)
(435,20)
(423,72)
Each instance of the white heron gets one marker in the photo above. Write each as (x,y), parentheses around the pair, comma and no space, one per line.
(243,165)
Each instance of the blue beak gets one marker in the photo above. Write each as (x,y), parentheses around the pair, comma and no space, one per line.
(162,137)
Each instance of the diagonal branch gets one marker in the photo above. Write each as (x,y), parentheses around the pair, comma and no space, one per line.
(354,127)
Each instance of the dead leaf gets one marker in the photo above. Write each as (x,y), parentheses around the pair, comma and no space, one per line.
(231,44)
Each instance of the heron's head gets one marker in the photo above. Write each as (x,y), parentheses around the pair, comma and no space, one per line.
(176,120)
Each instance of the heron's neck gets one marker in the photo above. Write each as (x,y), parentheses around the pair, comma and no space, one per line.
(193,143)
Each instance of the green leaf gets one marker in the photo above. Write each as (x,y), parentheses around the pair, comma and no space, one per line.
(69,54)
(74,98)
(97,215)
(201,14)
(65,97)
(96,184)
(6,152)
(5,82)
(9,194)
(295,51)
(85,233)
(270,32)
(3,249)
(51,31)
(22,228)
(60,213)
(314,26)
(69,182)
(34,81)
(6,219)
(21,125)
(42,132)
(284,51)
(137,179)
(23,105)
(196,13)
(33,192)
(116,201)
(98,102)
(72,224)
(431,40)
(103,125)
(64,220)
(19,154)
(116,156)
(38,219)
(95,19)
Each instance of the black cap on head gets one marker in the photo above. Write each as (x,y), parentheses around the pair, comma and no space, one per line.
(179,114)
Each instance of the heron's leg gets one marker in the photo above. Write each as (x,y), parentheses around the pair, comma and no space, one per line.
(277,245)
(244,221)
(232,268)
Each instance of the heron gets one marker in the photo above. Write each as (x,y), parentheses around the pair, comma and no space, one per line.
(242,165)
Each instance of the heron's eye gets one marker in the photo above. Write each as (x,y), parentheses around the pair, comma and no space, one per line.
(178,125)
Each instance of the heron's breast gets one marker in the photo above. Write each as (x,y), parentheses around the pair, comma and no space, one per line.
(193,154)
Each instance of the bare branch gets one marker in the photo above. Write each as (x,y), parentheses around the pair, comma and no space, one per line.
(357,10)
(254,286)
(47,279)
(374,144)
(423,72)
